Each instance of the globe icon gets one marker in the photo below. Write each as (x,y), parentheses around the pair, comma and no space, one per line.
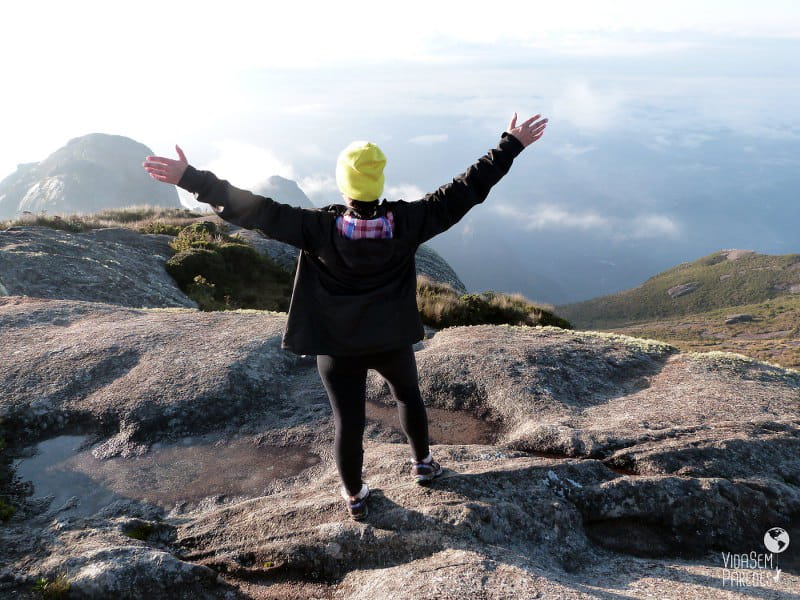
(776,540)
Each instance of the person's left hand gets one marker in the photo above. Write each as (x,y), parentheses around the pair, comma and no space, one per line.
(164,169)
(529,131)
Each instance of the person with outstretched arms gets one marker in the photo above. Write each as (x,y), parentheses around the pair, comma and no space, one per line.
(353,302)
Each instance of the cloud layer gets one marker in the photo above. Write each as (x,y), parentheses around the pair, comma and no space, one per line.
(551,218)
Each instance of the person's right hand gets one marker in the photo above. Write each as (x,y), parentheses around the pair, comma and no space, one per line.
(164,169)
(530,131)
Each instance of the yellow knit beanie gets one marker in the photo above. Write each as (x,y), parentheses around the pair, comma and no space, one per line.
(359,171)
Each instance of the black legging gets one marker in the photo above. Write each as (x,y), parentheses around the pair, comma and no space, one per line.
(345,379)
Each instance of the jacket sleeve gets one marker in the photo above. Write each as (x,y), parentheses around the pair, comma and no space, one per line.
(299,227)
(445,207)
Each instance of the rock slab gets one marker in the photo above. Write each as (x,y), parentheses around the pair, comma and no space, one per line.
(111,265)
(622,467)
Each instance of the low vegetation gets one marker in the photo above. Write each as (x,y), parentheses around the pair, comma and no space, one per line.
(52,589)
(144,218)
(140,531)
(772,334)
(221,272)
(721,280)
(440,306)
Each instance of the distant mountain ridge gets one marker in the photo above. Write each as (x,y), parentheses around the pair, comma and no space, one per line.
(285,191)
(727,278)
(88,174)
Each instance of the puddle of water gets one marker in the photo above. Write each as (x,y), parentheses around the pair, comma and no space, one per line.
(444,426)
(189,470)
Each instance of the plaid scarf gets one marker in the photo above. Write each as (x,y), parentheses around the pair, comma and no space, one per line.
(354,228)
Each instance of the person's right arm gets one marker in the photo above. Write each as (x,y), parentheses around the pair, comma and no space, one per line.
(445,207)
(296,226)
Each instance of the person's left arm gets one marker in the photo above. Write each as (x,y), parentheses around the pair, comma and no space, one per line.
(445,207)
(299,227)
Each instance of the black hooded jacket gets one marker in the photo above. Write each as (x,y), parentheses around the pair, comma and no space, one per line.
(356,296)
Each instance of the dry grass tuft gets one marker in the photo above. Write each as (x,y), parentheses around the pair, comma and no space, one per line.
(144,218)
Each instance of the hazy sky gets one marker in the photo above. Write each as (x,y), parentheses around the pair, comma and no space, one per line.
(181,71)
(653,107)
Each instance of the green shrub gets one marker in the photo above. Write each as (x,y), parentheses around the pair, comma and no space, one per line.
(239,257)
(197,235)
(188,264)
(161,227)
(140,532)
(56,589)
(204,293)
(220,272)
(440,306)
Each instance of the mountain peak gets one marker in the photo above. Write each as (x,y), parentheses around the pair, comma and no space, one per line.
(89,173)
(284,190)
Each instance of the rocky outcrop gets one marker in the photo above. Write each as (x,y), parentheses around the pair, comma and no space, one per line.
(113,265)
(618,463)
(738,318)
(283,254)
(90,173)
(430,263)
(677,291)
(137,374)
(792,288)
(285,191)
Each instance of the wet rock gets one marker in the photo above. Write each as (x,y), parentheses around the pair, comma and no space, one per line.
(616,459)
(137,373)
(533,379)
(478,503)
